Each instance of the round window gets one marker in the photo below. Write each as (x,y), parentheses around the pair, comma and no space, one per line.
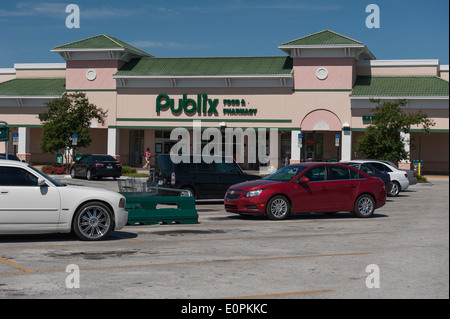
(322,73)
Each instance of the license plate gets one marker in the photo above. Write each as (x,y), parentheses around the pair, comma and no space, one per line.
(109,167)
(160,182)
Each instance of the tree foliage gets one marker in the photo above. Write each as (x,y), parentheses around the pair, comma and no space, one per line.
(382,139)
(71,114)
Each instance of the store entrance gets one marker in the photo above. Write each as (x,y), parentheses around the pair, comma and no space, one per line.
(321,146)
(136,147)
(312,147)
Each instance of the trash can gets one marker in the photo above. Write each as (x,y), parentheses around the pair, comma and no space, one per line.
(59,159)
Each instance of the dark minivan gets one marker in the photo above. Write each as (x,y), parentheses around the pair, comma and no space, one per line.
(206,179)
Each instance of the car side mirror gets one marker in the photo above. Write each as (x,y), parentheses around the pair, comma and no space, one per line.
(41,182)
(303,180)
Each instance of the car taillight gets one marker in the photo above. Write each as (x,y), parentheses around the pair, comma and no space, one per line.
(118,165)
(99,165)
(172,178)
(406,175)
(122,202)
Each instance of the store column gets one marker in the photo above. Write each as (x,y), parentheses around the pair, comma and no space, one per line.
(295,147)
(406,163)
(113,143)
(346,148)
(23,148)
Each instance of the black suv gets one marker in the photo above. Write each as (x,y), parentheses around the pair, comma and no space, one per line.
(204,179)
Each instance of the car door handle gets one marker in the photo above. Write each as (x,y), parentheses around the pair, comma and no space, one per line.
(4,192)
(352,186)
(324,188)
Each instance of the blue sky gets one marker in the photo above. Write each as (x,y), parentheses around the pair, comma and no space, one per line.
(198,28)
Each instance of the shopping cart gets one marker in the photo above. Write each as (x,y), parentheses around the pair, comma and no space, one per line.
(147,203)
(138,187)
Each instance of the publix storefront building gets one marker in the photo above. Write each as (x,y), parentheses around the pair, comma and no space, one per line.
(319,88)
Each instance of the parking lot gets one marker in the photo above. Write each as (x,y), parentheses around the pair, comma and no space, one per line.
(401,252)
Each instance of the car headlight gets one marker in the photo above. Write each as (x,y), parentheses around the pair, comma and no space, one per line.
(122,202)
(253,193)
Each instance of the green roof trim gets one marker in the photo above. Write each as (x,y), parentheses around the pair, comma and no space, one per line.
(33,87)
(213,66)
(325,37)
(101,41)
(400,86)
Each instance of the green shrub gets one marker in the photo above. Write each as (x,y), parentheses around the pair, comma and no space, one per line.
(128,170)
(421,179)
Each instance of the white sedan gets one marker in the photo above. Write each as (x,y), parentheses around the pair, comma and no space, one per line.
(32,202)
(399,178)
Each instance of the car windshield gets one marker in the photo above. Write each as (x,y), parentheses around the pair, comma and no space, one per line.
(47,177)
(285,174)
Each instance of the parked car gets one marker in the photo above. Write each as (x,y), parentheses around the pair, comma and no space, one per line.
(209,178)
(399,178)
(91,213)
(91,166)
(372,171)
(306,188)
(10,157)
(412,179)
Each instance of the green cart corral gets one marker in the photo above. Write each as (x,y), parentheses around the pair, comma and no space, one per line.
(148,204)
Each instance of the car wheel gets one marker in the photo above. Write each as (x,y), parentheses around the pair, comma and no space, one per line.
(278,208)
(364,206)
(93,221)
(89,175)
(187,191)
(395,189)
(72,173)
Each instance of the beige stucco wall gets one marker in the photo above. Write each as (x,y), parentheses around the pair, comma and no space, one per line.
(106,100)
(398,70)
(271,103)
(6,77)
(41,73)
(15,115)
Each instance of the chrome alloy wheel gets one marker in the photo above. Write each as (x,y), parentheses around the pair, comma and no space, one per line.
(94,222)
(279,207)
(365,206)
(395,189)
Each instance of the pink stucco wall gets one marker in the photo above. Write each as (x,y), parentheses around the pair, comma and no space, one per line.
(76,75)
(312,121)
(341,73)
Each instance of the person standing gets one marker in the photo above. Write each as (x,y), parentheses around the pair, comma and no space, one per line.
(148,156)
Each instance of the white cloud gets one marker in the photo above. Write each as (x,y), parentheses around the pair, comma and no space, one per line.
(56,10)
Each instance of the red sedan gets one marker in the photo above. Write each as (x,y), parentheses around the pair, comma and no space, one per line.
(306,188)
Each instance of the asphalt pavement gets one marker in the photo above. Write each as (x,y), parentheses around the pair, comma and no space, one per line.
(402,252)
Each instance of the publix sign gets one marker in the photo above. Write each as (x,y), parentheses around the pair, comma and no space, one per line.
(202,105)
